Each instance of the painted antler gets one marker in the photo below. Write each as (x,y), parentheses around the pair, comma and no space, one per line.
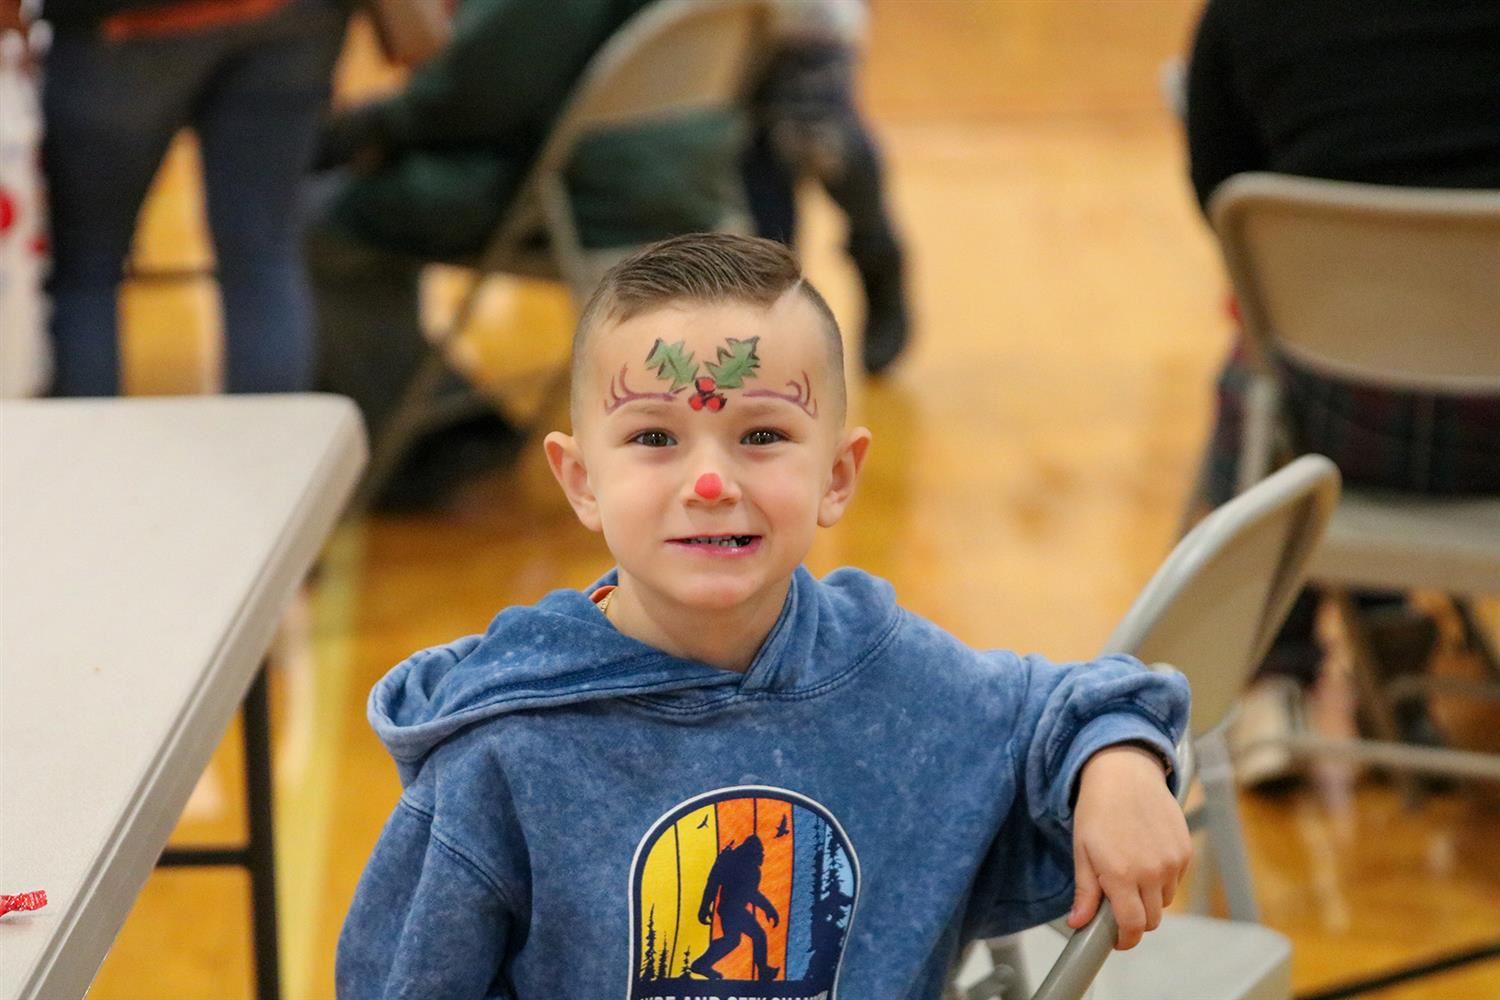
(801,395)
(617,399)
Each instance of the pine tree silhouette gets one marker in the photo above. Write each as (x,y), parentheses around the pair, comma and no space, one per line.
(664,965)
(647,972)
(829,903)
(687,956)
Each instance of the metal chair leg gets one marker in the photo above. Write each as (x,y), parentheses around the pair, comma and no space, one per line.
(1476,637)
(1221,816)
(1372,695)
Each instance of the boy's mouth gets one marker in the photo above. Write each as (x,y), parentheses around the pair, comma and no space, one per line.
(718,541)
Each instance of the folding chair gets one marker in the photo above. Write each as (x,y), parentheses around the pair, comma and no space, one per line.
(1211,611)
(674,59)
(1391,287)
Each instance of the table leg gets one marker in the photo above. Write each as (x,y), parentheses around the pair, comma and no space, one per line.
(262,846)
(258,855)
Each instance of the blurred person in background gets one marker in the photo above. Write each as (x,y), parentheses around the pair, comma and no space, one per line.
(252,79)
(807,125)
(25,352)
(1373,91)
(427,174)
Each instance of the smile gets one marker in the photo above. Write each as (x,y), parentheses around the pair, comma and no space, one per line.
(717,544)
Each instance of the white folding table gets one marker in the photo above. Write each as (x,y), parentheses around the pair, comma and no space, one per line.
(147,550)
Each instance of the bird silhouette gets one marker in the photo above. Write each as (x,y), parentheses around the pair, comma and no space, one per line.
(782,831)
(704,823)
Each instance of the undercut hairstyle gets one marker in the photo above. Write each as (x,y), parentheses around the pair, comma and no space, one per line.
(704,269)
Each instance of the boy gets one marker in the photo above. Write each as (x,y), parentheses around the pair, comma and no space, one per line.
(715,776)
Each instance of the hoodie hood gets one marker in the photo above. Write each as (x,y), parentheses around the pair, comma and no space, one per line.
(562,651)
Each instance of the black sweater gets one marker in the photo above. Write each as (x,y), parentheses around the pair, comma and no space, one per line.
(1382,91)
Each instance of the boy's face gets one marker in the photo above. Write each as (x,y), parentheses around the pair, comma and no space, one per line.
(708,446)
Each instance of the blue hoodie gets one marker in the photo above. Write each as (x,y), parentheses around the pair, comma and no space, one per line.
(585,816)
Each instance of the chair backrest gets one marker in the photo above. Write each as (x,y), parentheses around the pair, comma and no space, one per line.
(675,57)
(1215,604)
(1392,286)
(1217,601)
(1211,611)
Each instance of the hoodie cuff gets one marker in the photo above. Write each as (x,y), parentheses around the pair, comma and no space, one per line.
(1113,729)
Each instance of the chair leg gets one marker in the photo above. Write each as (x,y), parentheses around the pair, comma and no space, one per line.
(1476,637)
(1372,696)
(413,413)
(1006,979)
(1200,882)
(401,430)
(1222,820)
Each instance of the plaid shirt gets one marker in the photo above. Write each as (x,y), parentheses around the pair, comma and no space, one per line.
(1415,442)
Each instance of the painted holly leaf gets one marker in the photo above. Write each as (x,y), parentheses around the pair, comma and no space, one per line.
(736,362)
(672,362)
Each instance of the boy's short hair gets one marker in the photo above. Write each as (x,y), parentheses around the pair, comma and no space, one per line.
(704,268)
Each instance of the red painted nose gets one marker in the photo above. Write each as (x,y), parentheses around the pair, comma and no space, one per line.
(709,486)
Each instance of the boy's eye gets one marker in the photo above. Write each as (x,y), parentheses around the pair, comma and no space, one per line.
(654,439)
(763,436)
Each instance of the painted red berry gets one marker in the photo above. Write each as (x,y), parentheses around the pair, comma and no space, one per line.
(706,384)
(715,403)
(696,402)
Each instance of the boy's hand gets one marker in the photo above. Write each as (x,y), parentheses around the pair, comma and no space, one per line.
(1130,839)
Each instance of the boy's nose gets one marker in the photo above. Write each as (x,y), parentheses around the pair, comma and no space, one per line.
(709,486)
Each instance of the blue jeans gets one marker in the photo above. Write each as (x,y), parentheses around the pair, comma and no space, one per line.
(254,93)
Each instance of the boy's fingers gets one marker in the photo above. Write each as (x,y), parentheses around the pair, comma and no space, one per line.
(1085,893)
(1130,915)
(1152,899)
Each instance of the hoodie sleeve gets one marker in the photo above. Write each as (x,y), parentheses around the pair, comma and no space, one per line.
(1066,714)
(429,918)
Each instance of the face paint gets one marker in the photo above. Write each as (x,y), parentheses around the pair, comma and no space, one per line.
(618,397)
(800,396)
(709,486)
(734,362)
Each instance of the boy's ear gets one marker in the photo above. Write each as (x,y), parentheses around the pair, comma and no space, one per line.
(847,461)
(566,461)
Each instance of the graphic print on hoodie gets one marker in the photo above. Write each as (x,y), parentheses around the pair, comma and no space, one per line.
(752,885)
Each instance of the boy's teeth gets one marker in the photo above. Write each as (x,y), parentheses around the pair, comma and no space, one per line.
(723,541)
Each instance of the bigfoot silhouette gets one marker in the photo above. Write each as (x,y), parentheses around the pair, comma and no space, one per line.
(733,890)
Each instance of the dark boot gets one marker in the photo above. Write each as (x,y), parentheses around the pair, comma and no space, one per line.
(1402,640)
(887,327)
